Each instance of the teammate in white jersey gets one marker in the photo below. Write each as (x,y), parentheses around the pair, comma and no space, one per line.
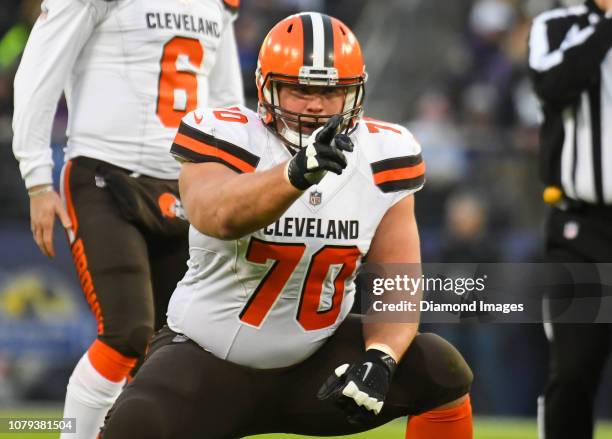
(130,71)
(284,204)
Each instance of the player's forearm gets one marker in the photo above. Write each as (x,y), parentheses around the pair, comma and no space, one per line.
(395,336)
(239,204)
(396,248)
(253,201)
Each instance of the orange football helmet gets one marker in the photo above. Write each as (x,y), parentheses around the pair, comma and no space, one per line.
(309,49)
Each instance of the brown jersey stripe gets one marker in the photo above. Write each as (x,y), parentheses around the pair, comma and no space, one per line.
(400,173)
(197,151)
(184,154)
(234,150)
(187,155)
(396,163)
(402,185)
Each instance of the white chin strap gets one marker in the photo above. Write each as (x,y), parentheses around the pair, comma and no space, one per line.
(292,135)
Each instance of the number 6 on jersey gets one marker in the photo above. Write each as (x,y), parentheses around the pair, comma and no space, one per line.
(177,92)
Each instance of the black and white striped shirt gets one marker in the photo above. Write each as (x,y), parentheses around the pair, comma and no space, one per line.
(570,61)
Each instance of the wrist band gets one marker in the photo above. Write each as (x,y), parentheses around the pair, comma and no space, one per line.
(384,348)
(292,183)
(42,190)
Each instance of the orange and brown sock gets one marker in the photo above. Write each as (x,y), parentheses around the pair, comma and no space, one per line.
(94,385)
(452,423)
(109,363)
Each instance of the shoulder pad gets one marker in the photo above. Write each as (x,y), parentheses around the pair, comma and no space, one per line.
(394,156)
(217,135)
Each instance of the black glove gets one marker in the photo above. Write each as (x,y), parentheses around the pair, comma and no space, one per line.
(360,388)
(323,153)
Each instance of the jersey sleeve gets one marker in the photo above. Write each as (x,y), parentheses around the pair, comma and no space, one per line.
(53,46)
(395,159)
(225,79)
(216,135)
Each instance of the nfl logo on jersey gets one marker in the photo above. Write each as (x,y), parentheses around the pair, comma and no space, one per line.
(315,198)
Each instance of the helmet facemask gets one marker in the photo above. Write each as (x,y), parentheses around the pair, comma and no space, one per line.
(289,126)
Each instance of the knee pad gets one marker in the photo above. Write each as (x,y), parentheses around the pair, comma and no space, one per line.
(130,341)
(447,376)
(445,364)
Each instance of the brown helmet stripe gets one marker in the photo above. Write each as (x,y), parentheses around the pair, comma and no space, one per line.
(318,40)
(328,33)
(308,37)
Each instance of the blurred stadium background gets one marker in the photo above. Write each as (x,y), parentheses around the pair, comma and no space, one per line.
(454,72)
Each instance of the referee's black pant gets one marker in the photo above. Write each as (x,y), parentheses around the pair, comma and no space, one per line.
(578,351)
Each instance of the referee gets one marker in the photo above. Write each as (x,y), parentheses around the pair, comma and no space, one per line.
(570,61)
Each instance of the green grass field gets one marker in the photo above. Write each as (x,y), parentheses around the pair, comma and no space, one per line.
(485,428)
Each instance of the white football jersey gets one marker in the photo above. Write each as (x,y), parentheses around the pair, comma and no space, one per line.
(271,298)
(131,70)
